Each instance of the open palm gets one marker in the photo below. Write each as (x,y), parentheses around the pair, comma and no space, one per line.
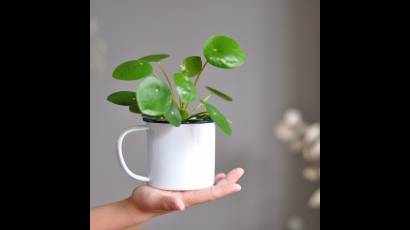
(151,199)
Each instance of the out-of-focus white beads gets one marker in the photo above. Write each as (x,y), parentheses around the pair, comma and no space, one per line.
(292,117)
(304,138)
(285,133)
(314,201)
(315,150)
(312,133)
(311,174)
(312,152)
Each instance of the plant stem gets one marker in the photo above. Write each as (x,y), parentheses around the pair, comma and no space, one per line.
(196,80)
(200,73)
(169,83)
(200,104)
(155,75)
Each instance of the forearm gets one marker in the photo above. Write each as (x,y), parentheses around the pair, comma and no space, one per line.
(119,215)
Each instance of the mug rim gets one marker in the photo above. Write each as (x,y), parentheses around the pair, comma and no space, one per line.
(189,122)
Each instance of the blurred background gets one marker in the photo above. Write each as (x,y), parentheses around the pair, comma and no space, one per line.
(282,71)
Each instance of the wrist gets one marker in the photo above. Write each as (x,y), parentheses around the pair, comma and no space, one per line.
(137,213)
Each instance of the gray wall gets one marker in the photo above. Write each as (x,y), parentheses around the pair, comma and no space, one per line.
(281,38)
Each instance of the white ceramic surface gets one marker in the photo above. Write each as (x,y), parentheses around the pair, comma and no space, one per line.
(179,158)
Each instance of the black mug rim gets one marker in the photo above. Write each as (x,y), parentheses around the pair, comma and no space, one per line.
(193,122)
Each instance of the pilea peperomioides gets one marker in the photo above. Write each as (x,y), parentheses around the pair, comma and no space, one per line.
(169,99)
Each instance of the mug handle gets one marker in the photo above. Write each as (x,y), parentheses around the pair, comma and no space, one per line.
(121,156)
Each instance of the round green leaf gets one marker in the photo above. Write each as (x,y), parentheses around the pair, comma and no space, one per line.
(153,96)
(123,98)
(134,108)
(223,52)
(191,66)
(184,114)
(218,118)
(173,116)
(185,88)
(154,57)
(219,93)
(132,70)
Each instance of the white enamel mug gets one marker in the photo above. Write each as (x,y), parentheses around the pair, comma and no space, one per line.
(179,158)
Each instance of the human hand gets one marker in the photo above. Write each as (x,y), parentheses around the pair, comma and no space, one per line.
(147,202)
(152,201)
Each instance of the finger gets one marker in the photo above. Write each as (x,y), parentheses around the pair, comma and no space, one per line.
(170,203)
(234,175)
(153,200)
(210,194)
(219,177)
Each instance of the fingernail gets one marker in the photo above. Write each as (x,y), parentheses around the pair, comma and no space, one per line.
(240,170)
(237,187)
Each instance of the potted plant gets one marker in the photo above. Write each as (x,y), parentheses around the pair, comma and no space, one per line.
(181,139)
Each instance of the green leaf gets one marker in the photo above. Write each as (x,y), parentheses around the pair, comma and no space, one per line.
(153,96)
(200,116)
(219,93)
(173,116)
(132,70)
(203,116)
(155,118)
(184,114)
(134,108)
(191,66)
(218,118)
(185,87)
(123,98)
(223,52)
(154,57)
